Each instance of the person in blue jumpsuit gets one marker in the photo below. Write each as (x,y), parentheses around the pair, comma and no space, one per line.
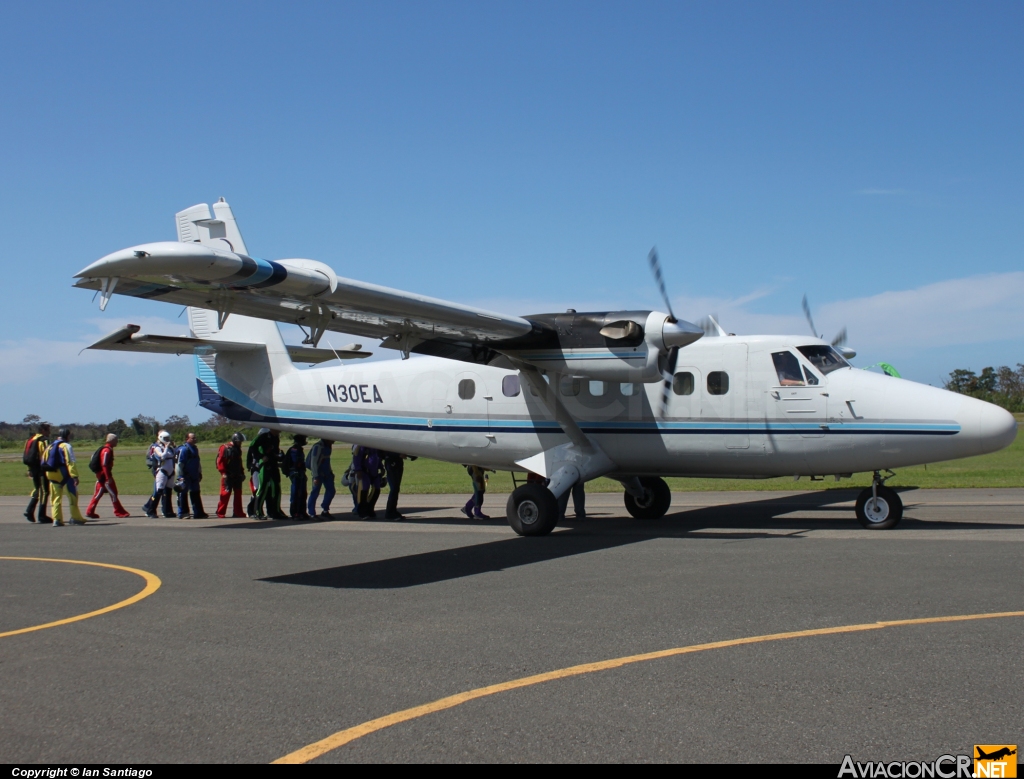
(319,462)
(294,465)
(191,470)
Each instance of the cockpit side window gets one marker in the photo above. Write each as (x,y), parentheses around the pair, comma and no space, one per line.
(787,366)
(812,380)
(824,358)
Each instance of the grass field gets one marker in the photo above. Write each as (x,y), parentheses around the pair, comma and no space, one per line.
(1002,469)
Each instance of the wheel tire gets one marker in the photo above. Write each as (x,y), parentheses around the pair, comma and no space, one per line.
(656,501)
(885,515)
(532,510)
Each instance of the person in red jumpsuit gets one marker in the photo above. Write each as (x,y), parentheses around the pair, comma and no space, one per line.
(105,481)
(232,476)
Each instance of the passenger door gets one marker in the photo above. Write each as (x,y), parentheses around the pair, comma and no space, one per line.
(724,403)
(466,412)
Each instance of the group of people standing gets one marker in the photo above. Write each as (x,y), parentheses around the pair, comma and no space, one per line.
(54,472)
(266,463)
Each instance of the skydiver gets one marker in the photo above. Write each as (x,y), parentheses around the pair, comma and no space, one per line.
(253,465)
(161,455)
(33,458)
(191,469)
(474,506)
(319,462)
(105,481)
(578,501)
(294,466)
(366,469)
(232,474)
(394,463)
(59,463)
(268,452)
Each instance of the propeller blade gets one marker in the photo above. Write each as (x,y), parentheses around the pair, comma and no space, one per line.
(669,376)
(840,338)
(652,258)
(810,320)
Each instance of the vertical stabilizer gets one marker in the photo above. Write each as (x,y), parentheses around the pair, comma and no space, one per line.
(219,229)
(239,384)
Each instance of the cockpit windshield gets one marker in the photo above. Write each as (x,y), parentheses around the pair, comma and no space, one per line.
(824,358)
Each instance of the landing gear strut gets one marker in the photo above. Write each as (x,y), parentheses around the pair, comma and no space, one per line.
(878,507)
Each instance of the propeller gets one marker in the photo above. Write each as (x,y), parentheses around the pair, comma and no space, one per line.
(669,370)
(838,342)
(659,279)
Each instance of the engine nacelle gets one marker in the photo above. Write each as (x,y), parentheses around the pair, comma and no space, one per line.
(616,346)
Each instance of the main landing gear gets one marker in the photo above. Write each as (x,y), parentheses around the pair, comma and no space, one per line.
(650,497)
(532,510)
(878,507)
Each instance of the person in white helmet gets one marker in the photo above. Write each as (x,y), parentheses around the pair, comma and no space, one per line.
(161,457)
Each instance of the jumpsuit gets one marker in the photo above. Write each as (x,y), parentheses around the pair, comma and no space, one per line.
(191,469)
(296,460)
(229,463)
(323,476)
(105,484)
(39,496)
(62,458)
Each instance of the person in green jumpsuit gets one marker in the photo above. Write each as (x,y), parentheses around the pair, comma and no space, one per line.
(268,458)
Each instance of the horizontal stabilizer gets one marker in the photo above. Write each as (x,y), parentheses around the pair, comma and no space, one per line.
(128,339)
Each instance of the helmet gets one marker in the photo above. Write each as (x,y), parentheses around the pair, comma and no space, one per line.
(263,430)
(299,439)
(164,436)
(237,438)
(64,433)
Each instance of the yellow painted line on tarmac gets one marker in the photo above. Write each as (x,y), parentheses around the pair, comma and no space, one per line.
(152,585)
(349,735)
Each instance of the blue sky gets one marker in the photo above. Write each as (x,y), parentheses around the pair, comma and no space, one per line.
(525,157)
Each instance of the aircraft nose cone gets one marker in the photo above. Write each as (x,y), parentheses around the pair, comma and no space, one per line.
(997,428)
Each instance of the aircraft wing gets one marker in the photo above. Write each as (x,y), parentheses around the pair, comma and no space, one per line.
(302,292)
(128,339)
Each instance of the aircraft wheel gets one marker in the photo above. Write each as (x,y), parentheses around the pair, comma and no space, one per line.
(881,514)
(532,510)
(656,500)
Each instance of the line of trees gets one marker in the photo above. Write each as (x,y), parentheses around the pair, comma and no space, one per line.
(1003,386)
(139,430)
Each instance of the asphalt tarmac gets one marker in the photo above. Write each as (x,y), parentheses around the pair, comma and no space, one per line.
(265,637)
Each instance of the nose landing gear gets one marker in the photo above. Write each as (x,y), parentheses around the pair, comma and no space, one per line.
(878,507)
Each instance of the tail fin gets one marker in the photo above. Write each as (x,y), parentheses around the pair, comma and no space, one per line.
(239,384)
(196,225)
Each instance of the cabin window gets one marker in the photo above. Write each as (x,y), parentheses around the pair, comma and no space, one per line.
(718,383)
(812,380)
(596,388)
(824,358)
(510,386)
(467,389)
(787,366)
(569,386)
(682,383)
(629,389)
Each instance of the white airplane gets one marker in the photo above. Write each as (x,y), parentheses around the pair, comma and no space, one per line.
(633,395)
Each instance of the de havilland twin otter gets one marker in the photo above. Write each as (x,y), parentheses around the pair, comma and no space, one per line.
(632,395)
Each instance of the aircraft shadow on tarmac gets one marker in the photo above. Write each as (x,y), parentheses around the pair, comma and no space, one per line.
(597,534)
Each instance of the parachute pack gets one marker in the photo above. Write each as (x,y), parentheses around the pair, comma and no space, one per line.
(31,456)
(96,461)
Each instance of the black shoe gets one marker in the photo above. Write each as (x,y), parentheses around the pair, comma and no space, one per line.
(30,516)
(394,516)
(200,516)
